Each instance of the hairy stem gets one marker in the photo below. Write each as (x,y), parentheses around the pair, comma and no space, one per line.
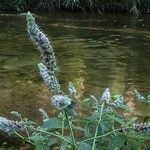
(71,131)
(109,133)
(96,131)
(49,133)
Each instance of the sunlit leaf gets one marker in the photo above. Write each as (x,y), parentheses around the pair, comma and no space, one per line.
(53,123)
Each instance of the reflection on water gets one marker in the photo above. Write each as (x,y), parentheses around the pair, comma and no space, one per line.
(93,52)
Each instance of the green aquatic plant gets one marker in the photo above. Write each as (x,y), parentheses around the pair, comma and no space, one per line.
(104,127)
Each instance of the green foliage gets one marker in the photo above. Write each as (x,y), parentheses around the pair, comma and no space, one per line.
(53,123)
(117,142)
(134,7)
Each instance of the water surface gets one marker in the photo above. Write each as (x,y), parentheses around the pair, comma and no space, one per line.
(93,52)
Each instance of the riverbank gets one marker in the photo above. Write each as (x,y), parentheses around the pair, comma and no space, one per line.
(134,7)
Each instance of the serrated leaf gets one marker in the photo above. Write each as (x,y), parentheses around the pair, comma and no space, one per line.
(119,120)
(53,123)
(52,141)
(87,130)
(42,147)
(84,146)
(132,120)
(63,146)
(117,142)
(37,138)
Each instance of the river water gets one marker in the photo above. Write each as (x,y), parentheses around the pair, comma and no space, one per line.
(93,51)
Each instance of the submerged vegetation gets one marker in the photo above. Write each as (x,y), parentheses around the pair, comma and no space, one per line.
(132,6)
(104,127)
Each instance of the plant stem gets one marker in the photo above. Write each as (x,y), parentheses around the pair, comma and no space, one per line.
(26,130)
(19,135)
(96,131)
(55,135)
(62,130)
(71,131)
(100,136)
(23,137)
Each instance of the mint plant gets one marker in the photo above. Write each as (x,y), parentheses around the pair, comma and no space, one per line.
(104,127)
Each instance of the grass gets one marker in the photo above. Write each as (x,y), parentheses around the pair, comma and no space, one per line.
(134,7)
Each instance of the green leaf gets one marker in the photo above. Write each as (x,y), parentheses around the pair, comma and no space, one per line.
(86,102)
(132,121)
(125,107)
(133,146)
(87,130)
(53,123)
(84,146)
(94,101)
(117,142)
(78,128)
(42,147)
(117,119)
(63,146)
(52,141)
(115,96)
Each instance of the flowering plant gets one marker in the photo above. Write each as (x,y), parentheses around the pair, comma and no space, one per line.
(104,127)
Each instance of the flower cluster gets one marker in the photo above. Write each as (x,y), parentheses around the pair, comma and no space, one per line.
(49,79)
(60,102)
(142,127)
(106,97)
(43,43)
(119,100)
(9,125)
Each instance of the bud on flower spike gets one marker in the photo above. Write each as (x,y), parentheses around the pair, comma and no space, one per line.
(106,96)
(44,114)
(44,46)
(72,89)
(61,102)
(49,79)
